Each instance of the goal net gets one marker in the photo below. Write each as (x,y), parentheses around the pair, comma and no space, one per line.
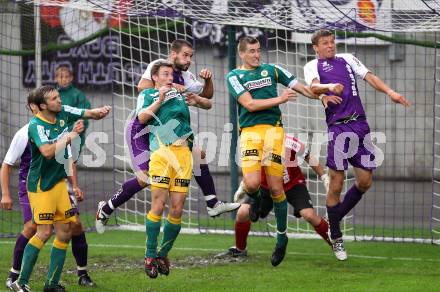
(396,40)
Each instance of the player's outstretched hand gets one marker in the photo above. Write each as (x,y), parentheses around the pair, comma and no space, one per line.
(6,202)
(78,127)
(205,74)
(398,98)
(331,98)
(79,194)
(104,111)
(337,88)
(288,95)
(180,88)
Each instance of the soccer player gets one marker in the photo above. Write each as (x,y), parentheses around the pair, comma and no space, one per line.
(180,56)
(254,86)
(20,148)
(72,96)
(296,193)
(335,74)
(50,141)
(167,114)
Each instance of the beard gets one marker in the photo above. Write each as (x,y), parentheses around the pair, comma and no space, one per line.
(181,67)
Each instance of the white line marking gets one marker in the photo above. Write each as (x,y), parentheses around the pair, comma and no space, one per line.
(127,246)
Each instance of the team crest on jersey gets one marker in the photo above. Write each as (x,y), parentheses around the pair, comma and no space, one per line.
(62,123)
(264,73)
(259,83)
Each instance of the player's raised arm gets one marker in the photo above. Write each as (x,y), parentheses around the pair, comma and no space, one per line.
(97,113)
(208,87)
(49,148)
(255,105)
(379,85)
(147,113)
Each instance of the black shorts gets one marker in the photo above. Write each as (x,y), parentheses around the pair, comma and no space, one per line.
(298,197)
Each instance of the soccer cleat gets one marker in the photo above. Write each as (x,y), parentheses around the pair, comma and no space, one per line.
(57,288)
(86,281)
(222,207)
(19,288)
(163,265)
(278,255)
(151,267)
(339,249)
(254,210)
(240,193)
(101,218)
(11,279)
(232,252)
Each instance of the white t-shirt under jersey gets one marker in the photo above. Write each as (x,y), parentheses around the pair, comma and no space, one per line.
(311,68)
(18,145)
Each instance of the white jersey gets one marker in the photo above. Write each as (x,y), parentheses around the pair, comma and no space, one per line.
(190,81)
(311,68)
(18,145)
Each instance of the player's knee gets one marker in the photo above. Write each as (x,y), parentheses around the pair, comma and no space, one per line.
(29,229)
(336,186)
(276,190)
(176,212)
(364,184)
(77,228)
(251,185)
(142,179)
(308,214)
(243,213)
(44,234)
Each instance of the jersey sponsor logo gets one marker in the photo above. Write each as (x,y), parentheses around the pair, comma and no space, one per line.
(170,95)
(41,134)
(69,213)
(236,85)
(287,73)
(249,152)
(286,176)
(260,83)
(46,216)
(264,73)
(180,182)
(326,67)
(275,158)
(352,79)
(160,179)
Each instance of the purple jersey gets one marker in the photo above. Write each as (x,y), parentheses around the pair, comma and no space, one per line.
(343,69)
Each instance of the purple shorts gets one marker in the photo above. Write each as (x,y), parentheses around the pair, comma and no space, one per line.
(137,138)
(350,143)
(26,211)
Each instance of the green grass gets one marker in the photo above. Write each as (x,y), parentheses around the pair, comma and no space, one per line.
(308,266)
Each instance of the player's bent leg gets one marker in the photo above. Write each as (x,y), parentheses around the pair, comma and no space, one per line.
(80,252)
(251,182)
(128,189)
(318,223)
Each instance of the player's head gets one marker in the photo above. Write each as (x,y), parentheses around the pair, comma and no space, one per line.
(47,98)
(63,76)
(249,51)
(162,73)
(31,105)
(323,42)
(181,53)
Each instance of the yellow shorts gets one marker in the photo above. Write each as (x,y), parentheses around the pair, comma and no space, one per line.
(52,206)
(262,146)
(171,168)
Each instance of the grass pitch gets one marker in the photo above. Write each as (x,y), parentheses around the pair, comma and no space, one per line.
(116,264)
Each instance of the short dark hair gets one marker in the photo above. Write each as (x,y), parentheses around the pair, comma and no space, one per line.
(178,44)
(156,67)
(244,41)
(31,98)
(38,95)
(63,67)
(319,34)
